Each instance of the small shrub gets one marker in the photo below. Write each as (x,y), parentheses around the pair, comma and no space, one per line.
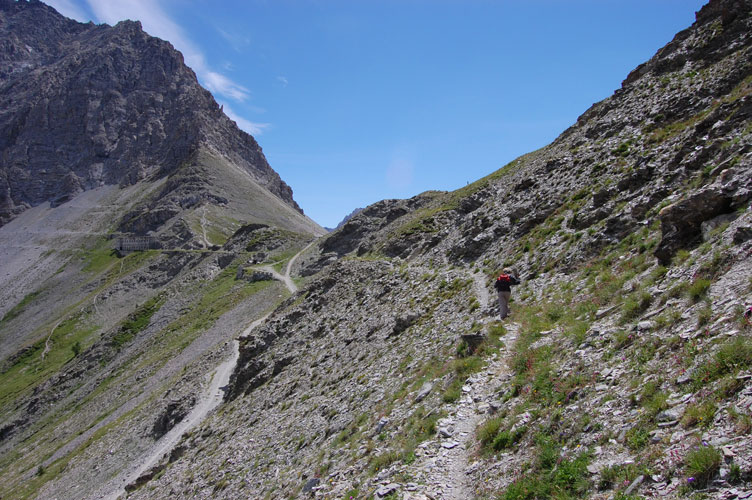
(76,348)
(677,290)
(622,150)
(487,432)
(735,473)
(635,304)
(622,339)
(729,386)
(699,414)
(616,475)
(658,273)
(463,349)
(496,329)
(703,317)
(667,319)
(637,438)
(553,476)
(742,422)
(467,366)
(655,404)
(732,356)
(681,256)
(453,392)
(698,289)
(507,438)
(716,264)
(701,464)
(384,460)
(609,475)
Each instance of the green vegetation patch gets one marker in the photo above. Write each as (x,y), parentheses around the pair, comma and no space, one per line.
(218,296)
(423,220)
(19,308)
(552,475)
(41,360)
(699,414)
(493,436)
(419,427)
(99,257)
(731,357)
(462,368)
(701,464)
(616,476)
(137,321)
(658,135)
(698,289)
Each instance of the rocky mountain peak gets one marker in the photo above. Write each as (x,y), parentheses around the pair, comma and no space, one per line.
(721,27)
(87,105)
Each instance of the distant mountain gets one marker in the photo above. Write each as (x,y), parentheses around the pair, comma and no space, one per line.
(347,218)
(85,105)
(107,137)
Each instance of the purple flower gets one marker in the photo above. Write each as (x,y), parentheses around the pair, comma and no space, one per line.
(690,479)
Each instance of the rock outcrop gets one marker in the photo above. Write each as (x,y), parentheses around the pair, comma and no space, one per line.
(87,105)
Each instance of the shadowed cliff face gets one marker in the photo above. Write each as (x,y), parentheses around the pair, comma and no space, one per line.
(86,105)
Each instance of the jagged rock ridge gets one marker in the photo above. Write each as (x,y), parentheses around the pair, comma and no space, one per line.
(86,105)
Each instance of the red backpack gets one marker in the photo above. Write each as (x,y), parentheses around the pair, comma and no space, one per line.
(503,281)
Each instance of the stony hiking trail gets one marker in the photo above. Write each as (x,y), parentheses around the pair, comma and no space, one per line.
(286,278)
(440,471)
(208,401)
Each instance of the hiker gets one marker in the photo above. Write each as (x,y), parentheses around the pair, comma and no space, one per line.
(503,287)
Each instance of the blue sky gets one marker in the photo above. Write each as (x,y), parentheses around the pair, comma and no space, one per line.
(360,100)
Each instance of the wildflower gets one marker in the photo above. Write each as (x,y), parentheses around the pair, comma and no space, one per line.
(691,479)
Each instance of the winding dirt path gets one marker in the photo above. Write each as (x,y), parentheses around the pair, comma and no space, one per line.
(443,463)
(213,396)
(481,290)
(286,278)
(203,227)
(208,401)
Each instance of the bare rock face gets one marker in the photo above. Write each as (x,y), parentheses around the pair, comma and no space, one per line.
(681,221)
(85,105)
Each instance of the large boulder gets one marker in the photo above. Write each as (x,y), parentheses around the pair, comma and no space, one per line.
(681,222)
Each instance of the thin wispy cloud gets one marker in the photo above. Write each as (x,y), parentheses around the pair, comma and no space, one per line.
(282,80)
(69,9)
(237,42)
(157,23)
(243,124)
(220,84)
